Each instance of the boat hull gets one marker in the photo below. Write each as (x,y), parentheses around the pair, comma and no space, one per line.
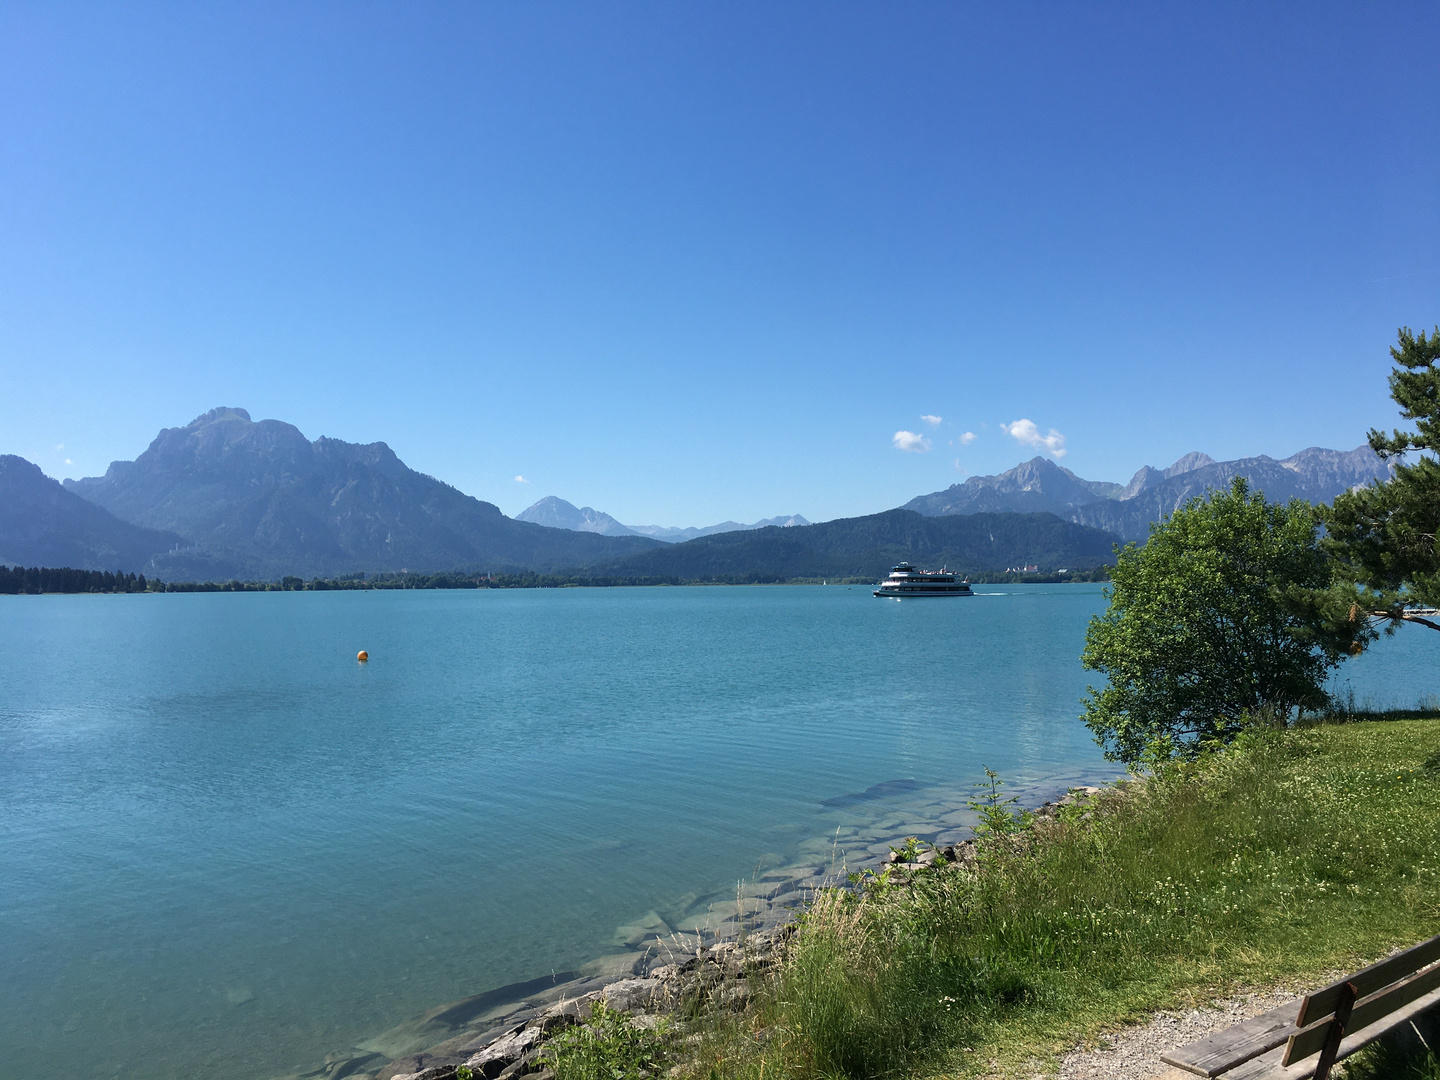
(915,594)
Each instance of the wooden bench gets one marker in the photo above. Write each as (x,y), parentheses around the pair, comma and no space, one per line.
(1304,1038)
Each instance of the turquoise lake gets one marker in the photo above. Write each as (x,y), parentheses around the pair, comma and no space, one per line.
(227,849)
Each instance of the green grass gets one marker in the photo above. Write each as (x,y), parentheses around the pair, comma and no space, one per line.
(1290,854)
(610,1045)
(1390,1060)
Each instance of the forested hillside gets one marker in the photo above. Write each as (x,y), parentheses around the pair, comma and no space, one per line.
(41,522)
(869,546)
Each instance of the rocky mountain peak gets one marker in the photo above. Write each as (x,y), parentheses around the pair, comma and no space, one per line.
(1144,478)
(555,513)
(219,415)
(1189,463)
(1331,467)
(1032,475)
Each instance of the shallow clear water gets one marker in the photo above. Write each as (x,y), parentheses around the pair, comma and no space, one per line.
(227,848)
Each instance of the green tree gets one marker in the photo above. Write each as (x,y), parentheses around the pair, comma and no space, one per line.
(1207,627)
(1383,536)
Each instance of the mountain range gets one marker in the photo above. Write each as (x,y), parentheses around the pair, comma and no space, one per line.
(261,500)
(1040,485)
(226,496)
(559,514)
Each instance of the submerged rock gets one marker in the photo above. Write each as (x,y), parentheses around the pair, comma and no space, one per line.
(502,1033)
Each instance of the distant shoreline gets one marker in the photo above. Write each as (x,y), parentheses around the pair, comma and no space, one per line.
(67,580)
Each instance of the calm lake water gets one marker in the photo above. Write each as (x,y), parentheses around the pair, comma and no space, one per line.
(227,849)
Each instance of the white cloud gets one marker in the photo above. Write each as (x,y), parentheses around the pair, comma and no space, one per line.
(1027,434)
(933,421)
(521,480)
(59,446)
(912,441)
(69,462)
(967,438)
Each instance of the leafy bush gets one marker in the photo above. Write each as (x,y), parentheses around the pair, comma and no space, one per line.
(1204,632)
(609,1046)
(998,818)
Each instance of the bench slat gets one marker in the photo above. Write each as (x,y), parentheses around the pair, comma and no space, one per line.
(1222,1051)
(1368,980)
(1259,1068)
(1367,1011)
(1305,1068)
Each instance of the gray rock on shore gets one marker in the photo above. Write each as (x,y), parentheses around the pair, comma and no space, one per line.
(718,975)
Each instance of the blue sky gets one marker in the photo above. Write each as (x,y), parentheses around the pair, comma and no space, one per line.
(692,261)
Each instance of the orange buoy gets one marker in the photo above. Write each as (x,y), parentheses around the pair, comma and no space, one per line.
(362,656)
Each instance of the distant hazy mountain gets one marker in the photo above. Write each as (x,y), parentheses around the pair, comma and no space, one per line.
(559,514)
(672,535)
(273,502)
(869,546)
(42,524)
(556,513)
(1153,494)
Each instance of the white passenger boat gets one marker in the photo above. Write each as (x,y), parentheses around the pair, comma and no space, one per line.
(905,581)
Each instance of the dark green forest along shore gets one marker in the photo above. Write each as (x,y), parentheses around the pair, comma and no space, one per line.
(36,580)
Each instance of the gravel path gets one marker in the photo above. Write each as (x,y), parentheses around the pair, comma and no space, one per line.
(1134,1053)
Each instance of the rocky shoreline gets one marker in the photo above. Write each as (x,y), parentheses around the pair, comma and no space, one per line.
(502,1033)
